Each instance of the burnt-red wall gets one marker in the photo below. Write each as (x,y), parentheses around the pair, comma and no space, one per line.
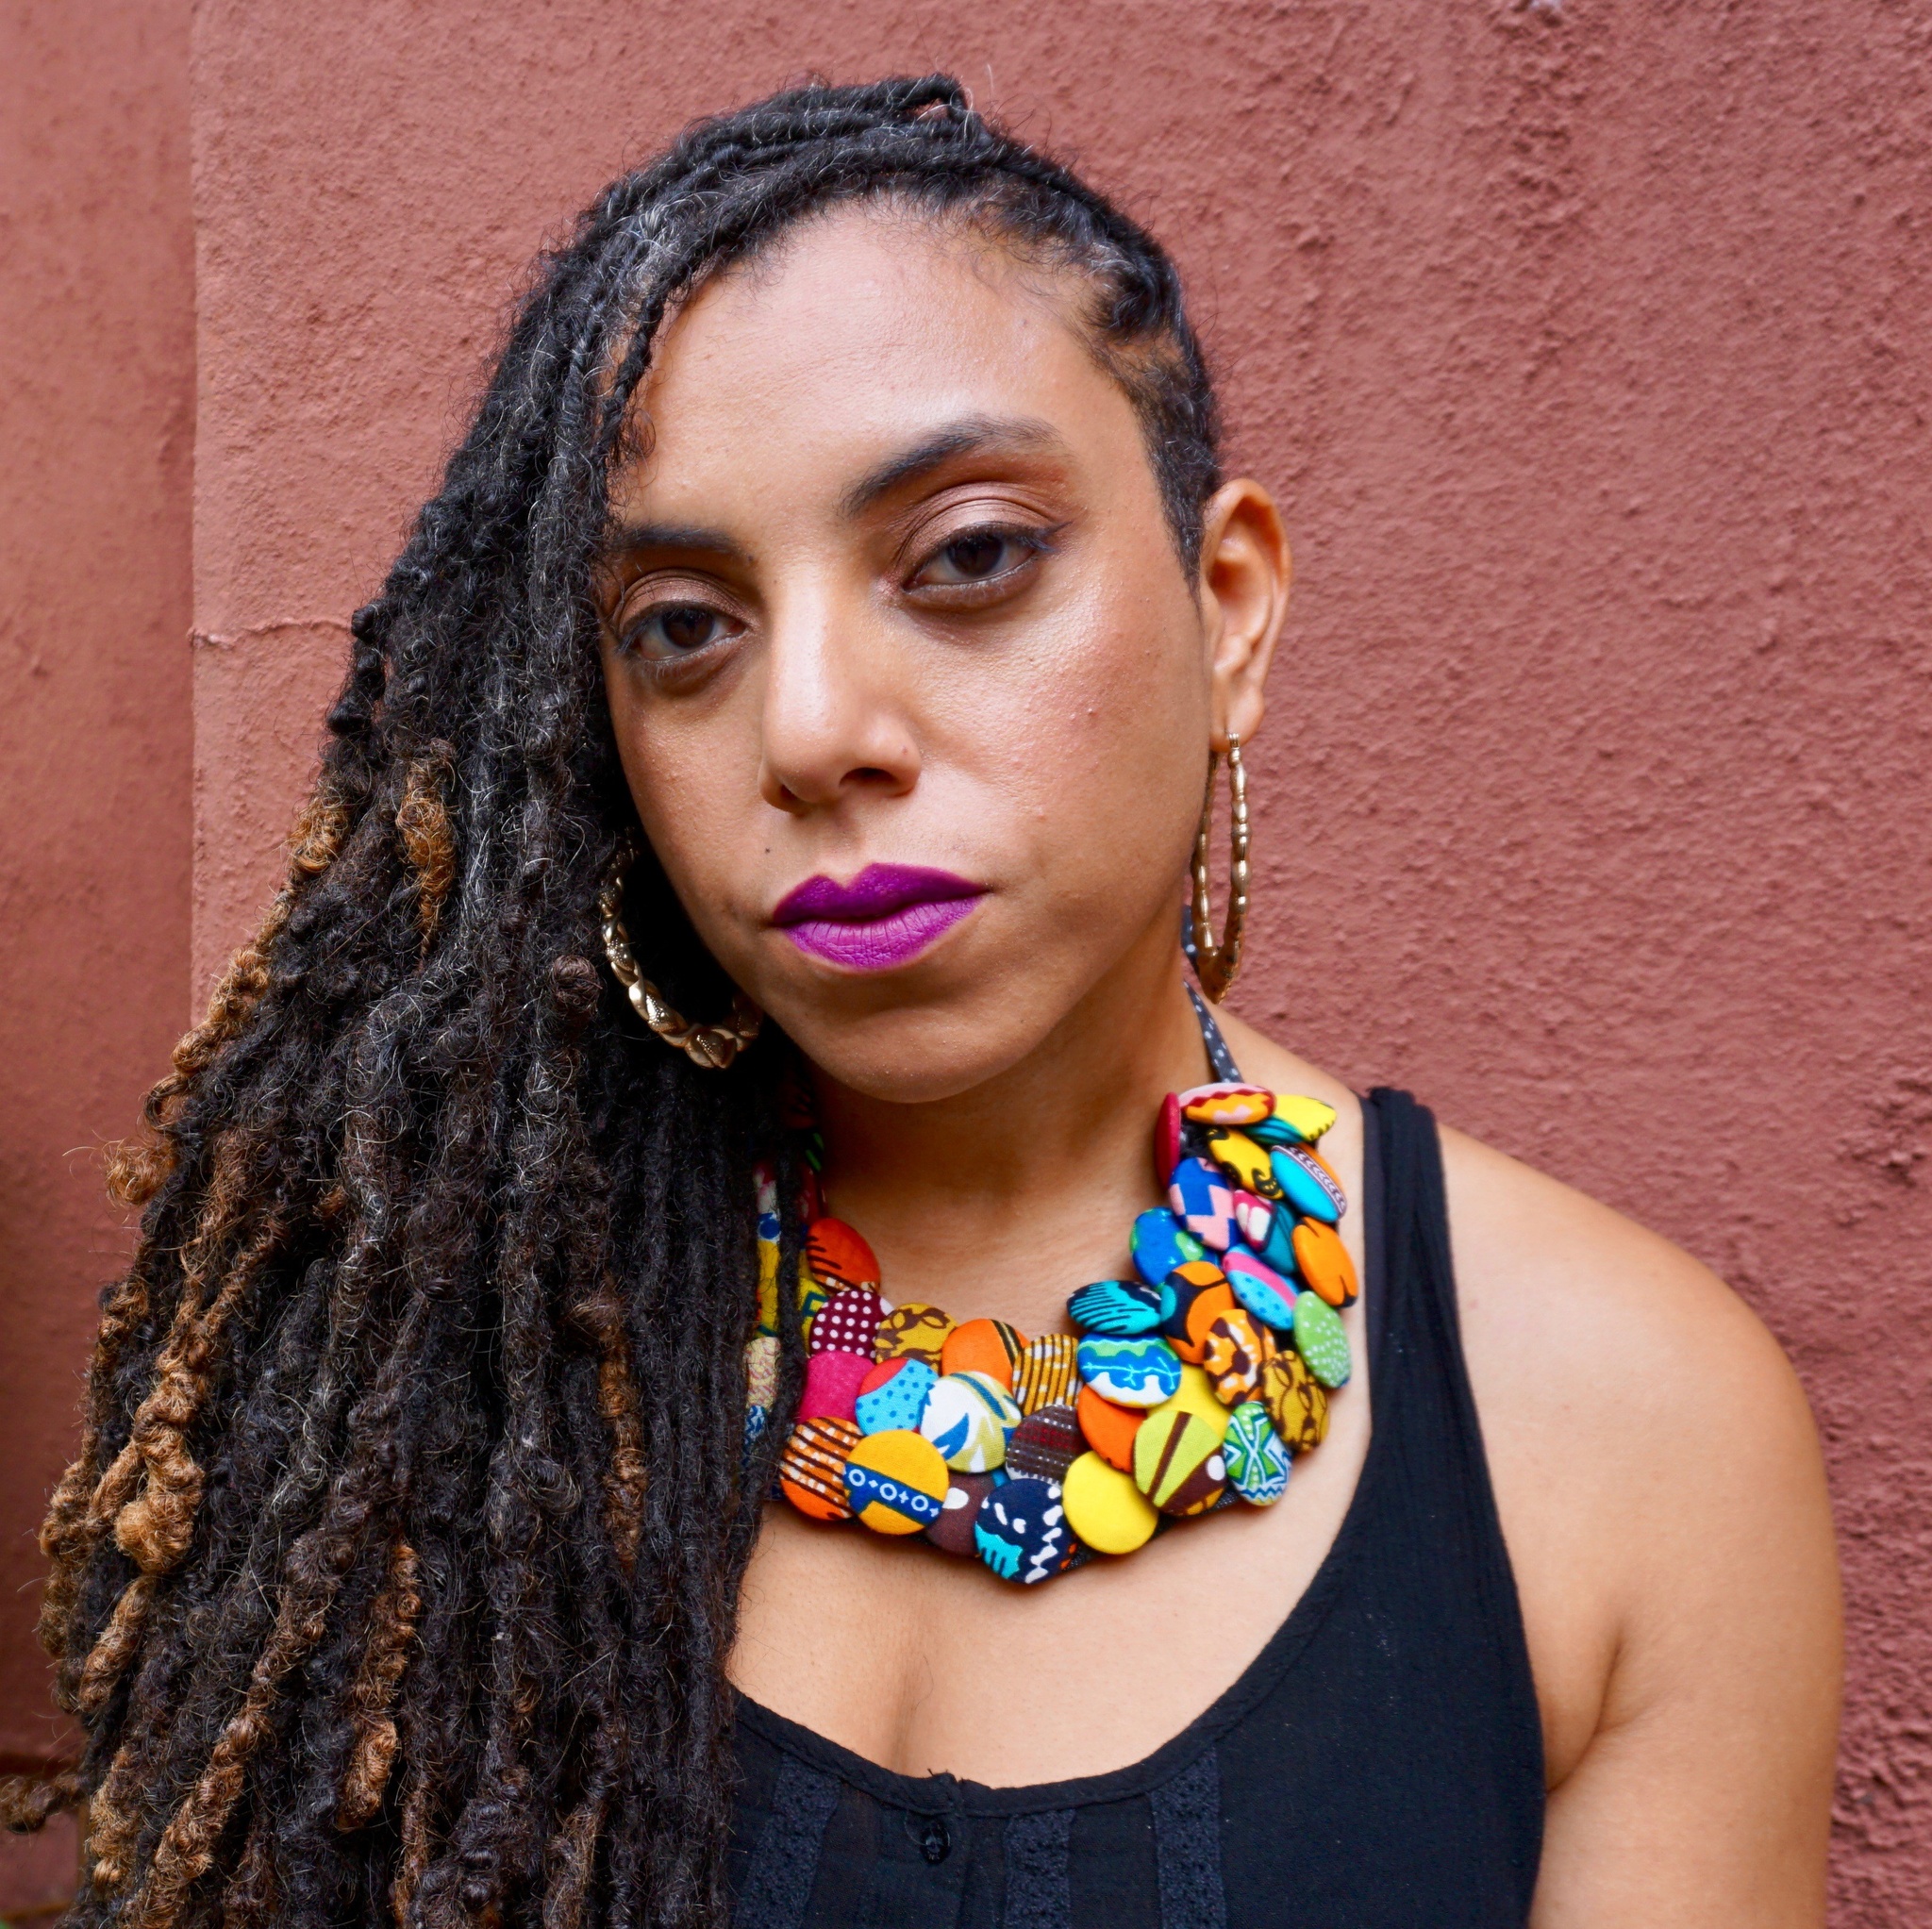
(1589,345)
(97,421)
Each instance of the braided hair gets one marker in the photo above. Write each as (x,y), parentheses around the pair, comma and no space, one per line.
(398,1572)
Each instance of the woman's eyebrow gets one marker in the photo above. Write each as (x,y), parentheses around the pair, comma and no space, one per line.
(627,538)
(969,435)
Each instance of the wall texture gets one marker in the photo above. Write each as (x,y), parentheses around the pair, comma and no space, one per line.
(96,411)
(1589,346)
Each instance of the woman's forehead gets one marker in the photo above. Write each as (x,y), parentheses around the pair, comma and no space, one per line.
(865,330)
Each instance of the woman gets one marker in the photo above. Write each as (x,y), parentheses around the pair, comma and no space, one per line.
(741,892)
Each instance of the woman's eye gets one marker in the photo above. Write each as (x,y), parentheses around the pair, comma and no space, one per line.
(979,555)
(670,630)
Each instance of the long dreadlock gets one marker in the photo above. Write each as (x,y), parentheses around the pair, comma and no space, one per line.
(398,1572)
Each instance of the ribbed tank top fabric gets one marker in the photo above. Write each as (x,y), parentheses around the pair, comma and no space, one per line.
(1377,1766)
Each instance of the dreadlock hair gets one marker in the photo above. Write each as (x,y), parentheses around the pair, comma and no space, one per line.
(397,1575)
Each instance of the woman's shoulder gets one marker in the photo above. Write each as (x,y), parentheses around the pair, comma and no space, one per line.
(1602,1356)
(1599,1349)
(1658,1478)
(1562,1297)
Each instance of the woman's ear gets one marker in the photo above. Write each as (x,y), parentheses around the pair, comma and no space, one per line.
(1245,571)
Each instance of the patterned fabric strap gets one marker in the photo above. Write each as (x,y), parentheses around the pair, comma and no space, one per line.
(1219,1057)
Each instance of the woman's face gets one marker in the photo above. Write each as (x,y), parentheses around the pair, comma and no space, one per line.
(911,688)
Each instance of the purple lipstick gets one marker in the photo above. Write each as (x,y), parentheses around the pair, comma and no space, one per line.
(883,919)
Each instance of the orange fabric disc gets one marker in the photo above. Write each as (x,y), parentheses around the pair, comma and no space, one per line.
(839,1255)
(983,1346)
(1110,1429)
(1206,1307)
(1324,1262)
(812,1467)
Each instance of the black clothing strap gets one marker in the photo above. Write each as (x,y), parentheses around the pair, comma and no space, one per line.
(1377,1766)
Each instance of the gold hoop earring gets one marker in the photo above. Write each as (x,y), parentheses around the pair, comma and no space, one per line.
(1216,961)
(713,1046)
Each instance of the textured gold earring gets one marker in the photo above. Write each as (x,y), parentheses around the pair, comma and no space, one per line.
(713,1046)
(1217,960)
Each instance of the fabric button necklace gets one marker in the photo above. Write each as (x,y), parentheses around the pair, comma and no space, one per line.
(1184,1389)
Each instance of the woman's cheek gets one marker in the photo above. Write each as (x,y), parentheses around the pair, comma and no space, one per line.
(701,823)
(1101,798)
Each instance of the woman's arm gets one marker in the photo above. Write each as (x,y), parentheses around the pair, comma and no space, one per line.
(1663,1498)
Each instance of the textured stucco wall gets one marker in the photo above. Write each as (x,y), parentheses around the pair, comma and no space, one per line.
(97,408)
(1588,344)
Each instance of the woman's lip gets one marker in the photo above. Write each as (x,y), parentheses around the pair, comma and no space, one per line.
(880,944)
(883,919)
(878,891)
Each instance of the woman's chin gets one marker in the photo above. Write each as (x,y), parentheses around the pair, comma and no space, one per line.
(918,1037)
(989,993)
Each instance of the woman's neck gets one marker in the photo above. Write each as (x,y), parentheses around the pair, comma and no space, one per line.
(1002,1200)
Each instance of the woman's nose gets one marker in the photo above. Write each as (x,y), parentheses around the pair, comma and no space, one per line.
(836,724)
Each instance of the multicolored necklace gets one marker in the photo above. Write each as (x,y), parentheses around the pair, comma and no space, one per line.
(1183,1389)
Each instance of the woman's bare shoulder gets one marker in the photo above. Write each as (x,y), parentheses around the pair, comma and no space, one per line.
(1662,1497)
(1572,1311)
(1630,1400)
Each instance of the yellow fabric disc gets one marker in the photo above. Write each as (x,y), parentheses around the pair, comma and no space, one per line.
(1105,1510)
(1197,1396)
(897,1482)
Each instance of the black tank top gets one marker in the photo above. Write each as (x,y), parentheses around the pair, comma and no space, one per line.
(1379,1763)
